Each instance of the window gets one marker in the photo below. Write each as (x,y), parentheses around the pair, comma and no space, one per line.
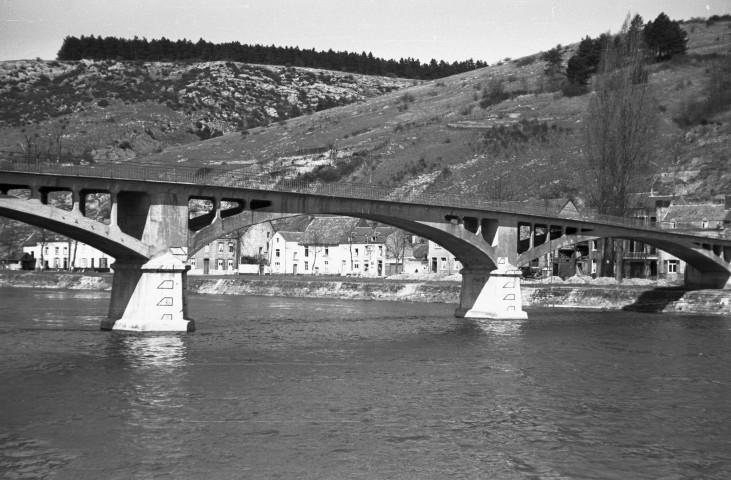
(268,233)
(373,239)
(356,252)
(277,239)
(593,266)
(56,250)
(102,263)
(220,247)
(444,263)
(230,247)
(230,264)
(276,253)
(219,264)
(45,250)
(260,249)
(66,249)
(307,266)
(307,253)
(380,250)
(83,263)
(207,249)
(594,245)
(356,266)
(704,223)
(192,262)
(327,251)
(672,266)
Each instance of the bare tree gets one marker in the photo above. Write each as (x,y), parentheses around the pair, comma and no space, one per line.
(396,244)
(620,129)
(620,125)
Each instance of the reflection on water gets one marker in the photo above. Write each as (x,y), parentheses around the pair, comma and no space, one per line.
(163,354)
(500,327)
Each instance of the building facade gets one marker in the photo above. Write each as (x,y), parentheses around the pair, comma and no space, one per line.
(68,255)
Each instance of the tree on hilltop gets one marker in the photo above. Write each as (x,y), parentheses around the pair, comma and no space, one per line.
(665,38)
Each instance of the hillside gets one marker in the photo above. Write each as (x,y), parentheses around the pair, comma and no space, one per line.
(437,135)
(502,131)
(115,111)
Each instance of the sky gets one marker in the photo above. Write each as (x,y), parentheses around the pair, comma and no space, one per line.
(450,30)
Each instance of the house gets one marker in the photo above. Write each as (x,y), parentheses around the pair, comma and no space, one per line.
(255,242)
(16,259)
(706,219)
(220,257)
(441,260)
(285,249)
(327,247)
(332,245)
(59,253)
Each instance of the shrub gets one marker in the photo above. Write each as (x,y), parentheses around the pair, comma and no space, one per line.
(494,94)
(525,61)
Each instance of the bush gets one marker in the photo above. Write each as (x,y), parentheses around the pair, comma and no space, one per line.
(571,89)
(525,61)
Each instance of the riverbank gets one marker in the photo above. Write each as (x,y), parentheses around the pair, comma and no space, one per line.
(645,296)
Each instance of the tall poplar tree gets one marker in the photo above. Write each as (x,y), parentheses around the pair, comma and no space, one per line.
(620,125)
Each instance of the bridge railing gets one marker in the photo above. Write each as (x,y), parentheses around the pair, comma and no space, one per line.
(18,162)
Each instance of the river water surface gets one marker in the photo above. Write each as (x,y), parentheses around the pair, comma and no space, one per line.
(334,389)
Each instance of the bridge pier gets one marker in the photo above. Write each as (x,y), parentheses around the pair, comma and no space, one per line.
(149,297)
(491,293)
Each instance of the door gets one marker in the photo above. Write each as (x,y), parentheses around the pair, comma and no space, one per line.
(206,266)
(294,269)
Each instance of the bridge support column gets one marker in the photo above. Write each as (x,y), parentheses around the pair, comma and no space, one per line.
(149,297)
(491,294)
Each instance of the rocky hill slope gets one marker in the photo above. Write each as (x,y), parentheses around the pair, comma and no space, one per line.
(112,111)
(503,131)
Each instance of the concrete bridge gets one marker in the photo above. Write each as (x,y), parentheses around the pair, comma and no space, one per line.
(150,219)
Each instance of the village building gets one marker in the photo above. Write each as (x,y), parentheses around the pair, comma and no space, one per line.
(341,246)
(255,242)
(60,253)
(327,247)
(441,260)
(285,249)
(219,257)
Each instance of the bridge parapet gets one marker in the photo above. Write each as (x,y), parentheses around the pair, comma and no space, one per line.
(206,176)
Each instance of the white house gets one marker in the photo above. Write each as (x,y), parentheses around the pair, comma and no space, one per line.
(285,252)
(68,254)
(441,260)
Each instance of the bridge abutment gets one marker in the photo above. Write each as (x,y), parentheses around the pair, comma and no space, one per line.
(489,293)
(149,296)
(698,280)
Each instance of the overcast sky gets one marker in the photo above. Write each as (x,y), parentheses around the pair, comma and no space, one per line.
(448,30)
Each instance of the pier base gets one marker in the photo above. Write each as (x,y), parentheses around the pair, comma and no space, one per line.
(491,294)
(149,297)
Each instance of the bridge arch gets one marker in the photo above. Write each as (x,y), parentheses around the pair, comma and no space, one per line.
(109,240)
(467,246)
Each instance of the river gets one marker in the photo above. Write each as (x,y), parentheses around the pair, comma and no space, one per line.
(332,389)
